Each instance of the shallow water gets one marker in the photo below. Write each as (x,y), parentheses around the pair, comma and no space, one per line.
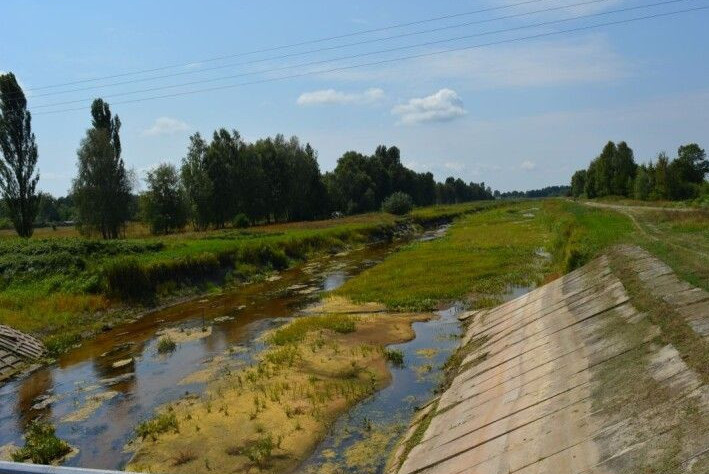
(383,417)
(362,439)
(131,392)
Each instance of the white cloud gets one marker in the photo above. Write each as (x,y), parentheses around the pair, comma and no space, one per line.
(333,97)
(443,106)
(528,165)
(165,126)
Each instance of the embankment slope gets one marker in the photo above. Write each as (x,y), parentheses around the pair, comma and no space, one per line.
(602,370)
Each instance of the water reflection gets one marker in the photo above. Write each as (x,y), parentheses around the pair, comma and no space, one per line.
(97,393)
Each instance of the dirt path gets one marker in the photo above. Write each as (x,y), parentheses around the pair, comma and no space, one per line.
(571,378)
(634,213)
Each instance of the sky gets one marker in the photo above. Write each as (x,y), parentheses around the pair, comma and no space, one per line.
(520,102)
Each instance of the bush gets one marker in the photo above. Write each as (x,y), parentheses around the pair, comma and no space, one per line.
(398,203)
(241,221)
(42,446)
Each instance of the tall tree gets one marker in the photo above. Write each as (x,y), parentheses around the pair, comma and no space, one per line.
(578,183)
(102,187)
(18,179)
(195,179)
(164,205)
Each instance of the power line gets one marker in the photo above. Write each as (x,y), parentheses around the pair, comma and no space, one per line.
(360,55)
(328,48)
(391,60)
(291,45)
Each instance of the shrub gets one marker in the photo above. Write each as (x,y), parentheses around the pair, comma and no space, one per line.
(241,221)
(398,203)
(42,446)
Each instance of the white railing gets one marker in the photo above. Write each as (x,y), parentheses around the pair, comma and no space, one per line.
(23,468)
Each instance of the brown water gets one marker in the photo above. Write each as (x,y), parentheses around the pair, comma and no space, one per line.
(150,380)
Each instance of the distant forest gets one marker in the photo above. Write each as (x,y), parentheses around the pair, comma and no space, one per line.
(549,191)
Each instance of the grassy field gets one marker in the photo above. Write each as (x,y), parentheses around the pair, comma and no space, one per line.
(486,253)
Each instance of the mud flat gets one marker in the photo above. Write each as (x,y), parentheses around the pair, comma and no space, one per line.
(589,373)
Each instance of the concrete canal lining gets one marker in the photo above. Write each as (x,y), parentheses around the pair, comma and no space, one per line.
(573,378)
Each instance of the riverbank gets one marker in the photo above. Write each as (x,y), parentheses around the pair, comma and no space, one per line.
(67,289)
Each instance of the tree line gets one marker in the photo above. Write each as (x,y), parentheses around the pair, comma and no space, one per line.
(548,191)
(223,181)
(615,173)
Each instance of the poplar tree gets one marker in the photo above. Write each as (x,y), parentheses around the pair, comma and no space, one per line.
(102,187)
(18,179)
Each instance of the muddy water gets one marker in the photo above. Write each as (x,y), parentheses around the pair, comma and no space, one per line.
(96,394)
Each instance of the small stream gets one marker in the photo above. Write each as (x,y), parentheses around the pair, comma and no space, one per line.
(95,398)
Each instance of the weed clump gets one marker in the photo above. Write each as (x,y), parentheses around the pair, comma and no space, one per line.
(260,451)
(395,356)
(297,330)
(166,344)
(161,424)
(42,446)
(183,457)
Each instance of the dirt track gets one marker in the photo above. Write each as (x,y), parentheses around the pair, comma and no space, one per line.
(572,378)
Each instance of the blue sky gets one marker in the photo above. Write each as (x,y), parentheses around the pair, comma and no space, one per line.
(515,115)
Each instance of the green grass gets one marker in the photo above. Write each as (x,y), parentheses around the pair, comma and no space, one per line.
(425,215)
(298,329)
(164,422)
(42,446)
(581,232)
(483,253)
(487,251)
(59,288)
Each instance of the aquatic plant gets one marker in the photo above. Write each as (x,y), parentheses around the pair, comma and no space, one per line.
(166,344)
(395,356)
(163,423)
(42,446)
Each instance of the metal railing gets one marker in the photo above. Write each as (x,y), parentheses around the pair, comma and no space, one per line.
(23,468)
